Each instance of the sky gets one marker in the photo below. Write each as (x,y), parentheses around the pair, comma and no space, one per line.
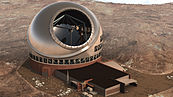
(138,1)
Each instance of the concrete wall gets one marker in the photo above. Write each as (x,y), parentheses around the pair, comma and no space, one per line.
(98,89)
(112,90)
(60,75)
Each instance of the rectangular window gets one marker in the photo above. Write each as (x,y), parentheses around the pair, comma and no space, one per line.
(45,60)
(95,48)
(87,59)
(91,58)
(50,61)
(95,57)
(41,60)
(82,60)
(77,61)
(60,61)
(33,56)
(101,46)
(36,58)
(55,61)
(66,61)
(101,38)
(71,61)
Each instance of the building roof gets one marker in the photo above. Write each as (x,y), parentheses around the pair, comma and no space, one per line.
(102,75)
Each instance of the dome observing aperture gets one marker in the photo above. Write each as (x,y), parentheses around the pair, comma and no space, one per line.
(72,27)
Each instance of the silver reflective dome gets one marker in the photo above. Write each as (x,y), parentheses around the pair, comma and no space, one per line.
(63,29)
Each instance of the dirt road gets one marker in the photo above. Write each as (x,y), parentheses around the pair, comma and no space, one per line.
(139,36)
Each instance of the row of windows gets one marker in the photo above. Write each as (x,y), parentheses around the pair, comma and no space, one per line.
(61,61)
(98,47)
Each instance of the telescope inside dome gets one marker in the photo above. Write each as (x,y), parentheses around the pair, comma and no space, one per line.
(72,27)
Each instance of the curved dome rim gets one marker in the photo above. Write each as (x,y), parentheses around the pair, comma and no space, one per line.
(67,55)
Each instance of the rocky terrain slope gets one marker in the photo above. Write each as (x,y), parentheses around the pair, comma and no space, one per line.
(139,36)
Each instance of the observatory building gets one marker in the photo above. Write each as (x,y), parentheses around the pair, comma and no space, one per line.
(64,35)
(65,40)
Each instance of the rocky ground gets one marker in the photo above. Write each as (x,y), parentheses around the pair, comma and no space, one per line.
(139,36)
(147,84)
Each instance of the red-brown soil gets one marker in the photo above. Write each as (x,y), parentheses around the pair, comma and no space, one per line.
(139,36)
